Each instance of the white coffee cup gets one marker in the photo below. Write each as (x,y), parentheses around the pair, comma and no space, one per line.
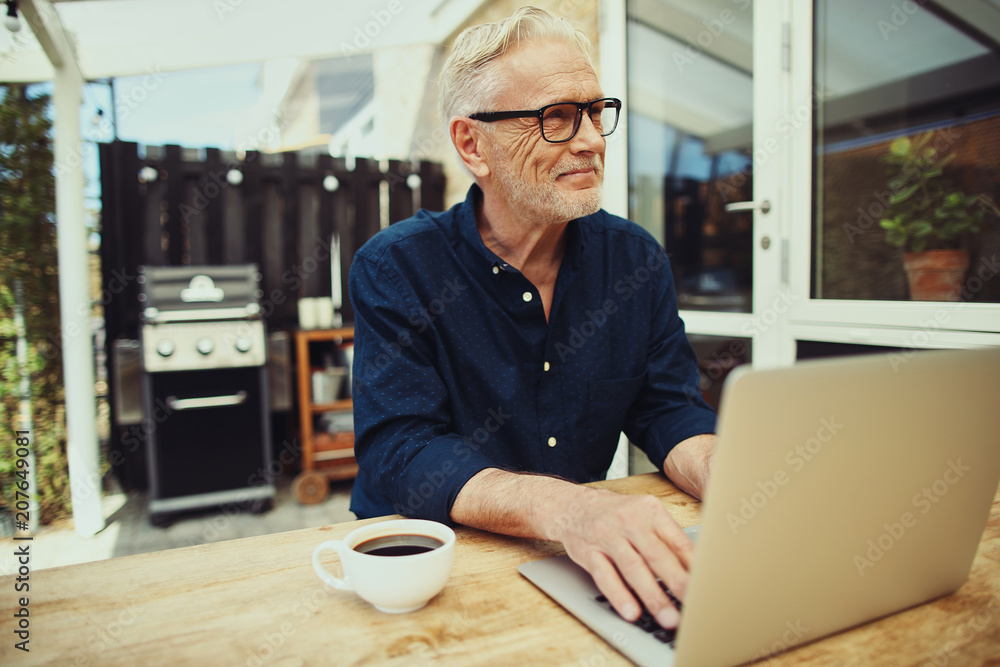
(324,312)
(392,583)
(307,313)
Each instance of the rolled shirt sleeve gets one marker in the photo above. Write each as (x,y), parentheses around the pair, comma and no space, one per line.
(670,408)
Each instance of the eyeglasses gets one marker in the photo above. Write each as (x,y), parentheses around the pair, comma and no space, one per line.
(560,122)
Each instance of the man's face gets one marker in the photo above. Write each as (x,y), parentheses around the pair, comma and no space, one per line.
(545,182)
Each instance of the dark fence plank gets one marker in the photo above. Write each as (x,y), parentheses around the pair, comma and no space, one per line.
(194,247)
(343,219)
(400,194)
(365,180)
(253,209)
(292,274)
(133,235)
(278,280)
(324,217)
(237,223)
(213,188)
(312,249)
(432,185)
(174,225)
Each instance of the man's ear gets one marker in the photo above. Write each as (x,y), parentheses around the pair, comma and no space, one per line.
(468,142)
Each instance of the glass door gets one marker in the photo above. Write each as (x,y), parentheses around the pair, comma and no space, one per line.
(706,81)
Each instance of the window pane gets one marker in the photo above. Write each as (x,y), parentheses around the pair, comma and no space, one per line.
(907,152)
(717,357)
(690,130)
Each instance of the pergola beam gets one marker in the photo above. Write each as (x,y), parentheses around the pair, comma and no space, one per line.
(44,22)
(74,298)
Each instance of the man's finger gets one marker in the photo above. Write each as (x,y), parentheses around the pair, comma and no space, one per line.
(610,584)
(642,579)
(637,575)
(678,542)
(674,570)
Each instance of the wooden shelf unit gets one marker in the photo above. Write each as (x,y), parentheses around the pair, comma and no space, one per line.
(325,457)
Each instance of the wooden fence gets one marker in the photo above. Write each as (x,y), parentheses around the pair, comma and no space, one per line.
(173,206)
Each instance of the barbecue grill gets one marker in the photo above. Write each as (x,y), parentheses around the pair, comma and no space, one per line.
(204,356)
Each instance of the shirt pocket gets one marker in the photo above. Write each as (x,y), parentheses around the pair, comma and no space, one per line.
(607,404)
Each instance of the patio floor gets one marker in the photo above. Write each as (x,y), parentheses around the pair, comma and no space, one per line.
(129,531)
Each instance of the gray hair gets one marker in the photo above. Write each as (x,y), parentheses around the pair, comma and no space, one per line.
(470,80)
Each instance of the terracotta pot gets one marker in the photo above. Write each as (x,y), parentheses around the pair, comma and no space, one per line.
(936,275)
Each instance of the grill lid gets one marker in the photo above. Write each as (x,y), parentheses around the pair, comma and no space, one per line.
(199,292)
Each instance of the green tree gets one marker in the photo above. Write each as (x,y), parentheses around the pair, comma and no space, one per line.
(28,252)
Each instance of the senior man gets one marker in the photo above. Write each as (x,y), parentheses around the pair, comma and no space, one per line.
(503,345)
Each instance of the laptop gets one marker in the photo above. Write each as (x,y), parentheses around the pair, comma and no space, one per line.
(842,491)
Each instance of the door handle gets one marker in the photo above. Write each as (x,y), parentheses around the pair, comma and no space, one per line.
(763,206)
(206,402)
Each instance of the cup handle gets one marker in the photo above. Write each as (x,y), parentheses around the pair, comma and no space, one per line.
(332,545)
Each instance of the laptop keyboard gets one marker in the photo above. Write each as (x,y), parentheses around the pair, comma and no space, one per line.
(646,622)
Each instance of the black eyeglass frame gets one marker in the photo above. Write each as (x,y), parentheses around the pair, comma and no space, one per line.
(493,116)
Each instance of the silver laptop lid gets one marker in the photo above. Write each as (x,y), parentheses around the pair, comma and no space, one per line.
(842,491)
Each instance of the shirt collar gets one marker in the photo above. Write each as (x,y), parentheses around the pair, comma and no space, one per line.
(575,234)
(469,231)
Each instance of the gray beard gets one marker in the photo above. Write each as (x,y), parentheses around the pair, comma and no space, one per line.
(544,203)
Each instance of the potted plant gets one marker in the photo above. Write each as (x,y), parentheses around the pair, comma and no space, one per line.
(929,218)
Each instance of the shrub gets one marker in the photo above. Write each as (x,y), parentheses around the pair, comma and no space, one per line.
(28,242)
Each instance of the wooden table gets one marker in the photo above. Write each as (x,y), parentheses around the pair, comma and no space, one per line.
(257,601)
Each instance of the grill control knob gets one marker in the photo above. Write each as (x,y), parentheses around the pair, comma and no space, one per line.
(165,347)
(205,346)
(243,344)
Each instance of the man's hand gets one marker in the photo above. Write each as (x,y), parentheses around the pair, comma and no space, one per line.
(623,541)
(627,542)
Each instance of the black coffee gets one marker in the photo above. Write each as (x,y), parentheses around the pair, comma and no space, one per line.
(398,545)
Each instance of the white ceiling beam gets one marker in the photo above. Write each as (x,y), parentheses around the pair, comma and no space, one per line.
(19,62)
(48,30)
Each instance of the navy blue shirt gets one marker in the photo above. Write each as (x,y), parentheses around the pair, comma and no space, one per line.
(456,368)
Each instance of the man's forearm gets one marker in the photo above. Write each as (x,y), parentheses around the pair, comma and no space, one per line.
(522,505)
(688,464)
(540,507)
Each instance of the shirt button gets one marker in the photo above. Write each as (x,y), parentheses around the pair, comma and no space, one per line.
(546,367)
(496,270)
(552,442)
(526,296)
